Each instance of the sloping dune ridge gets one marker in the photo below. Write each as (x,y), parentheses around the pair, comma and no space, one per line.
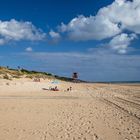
(29,111)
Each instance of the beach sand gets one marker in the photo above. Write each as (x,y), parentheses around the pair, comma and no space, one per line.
(28,111)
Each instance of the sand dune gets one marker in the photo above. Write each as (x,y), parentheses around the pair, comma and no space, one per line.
(88,112)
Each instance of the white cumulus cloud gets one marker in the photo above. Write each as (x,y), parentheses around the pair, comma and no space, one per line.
(124,12)
(29,49)
(90,28)
(112,21)
(19,30)
(121,42)
(55,36)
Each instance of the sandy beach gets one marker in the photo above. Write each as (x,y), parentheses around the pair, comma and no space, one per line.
(89,112)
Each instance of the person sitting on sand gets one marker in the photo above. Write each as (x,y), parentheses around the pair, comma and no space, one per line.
(56,89)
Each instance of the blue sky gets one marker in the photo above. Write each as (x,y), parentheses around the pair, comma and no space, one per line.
(97,39)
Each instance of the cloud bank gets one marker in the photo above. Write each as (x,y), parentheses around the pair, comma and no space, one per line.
(98,66)
(119,22)
(14,30)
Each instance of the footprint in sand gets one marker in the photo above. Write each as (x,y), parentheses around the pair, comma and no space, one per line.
(45,137)
(96,137)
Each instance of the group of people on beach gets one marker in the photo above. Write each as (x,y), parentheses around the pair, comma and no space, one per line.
(56,89)
(52,88)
